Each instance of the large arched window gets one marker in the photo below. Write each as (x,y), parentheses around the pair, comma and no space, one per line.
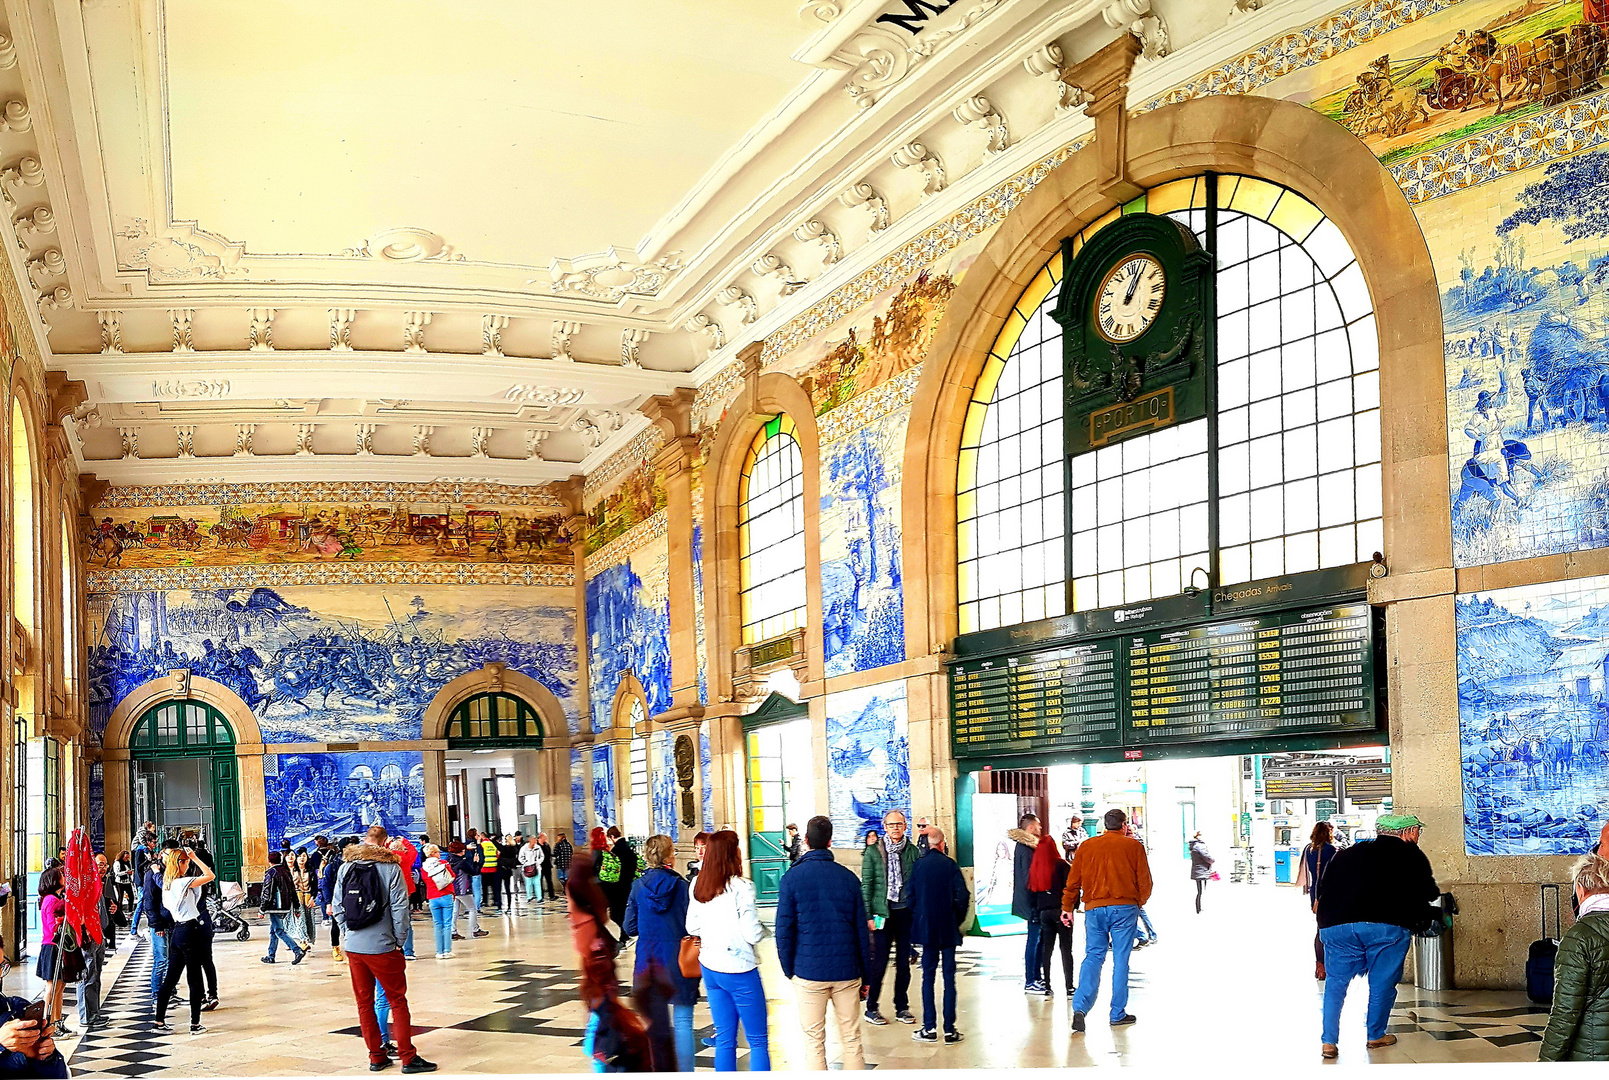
(771,541)
(1294,446)
(489,721)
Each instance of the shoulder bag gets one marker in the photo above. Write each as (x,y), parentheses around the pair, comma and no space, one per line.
(687,957)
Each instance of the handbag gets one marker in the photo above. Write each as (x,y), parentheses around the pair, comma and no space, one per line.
(529,869)
(1214,876)
(687,957)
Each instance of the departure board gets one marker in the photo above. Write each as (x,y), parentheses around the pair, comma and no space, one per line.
(1294,672)
(1047,699)
(1284,673)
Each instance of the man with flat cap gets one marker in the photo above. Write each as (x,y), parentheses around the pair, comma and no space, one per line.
(1374,896)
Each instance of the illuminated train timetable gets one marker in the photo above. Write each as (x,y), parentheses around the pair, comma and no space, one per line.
(1303,671)
(1296,671)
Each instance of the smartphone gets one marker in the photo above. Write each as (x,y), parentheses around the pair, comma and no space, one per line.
(35,1012)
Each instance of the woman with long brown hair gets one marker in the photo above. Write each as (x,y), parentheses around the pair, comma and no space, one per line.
(1047,879)
(723,917)
(1315,861)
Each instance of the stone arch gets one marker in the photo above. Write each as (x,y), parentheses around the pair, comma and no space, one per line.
(629,690)
(495,678)
(1278,141)
(180,685)
(764,397)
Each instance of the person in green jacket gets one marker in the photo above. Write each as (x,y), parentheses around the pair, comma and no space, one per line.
(1578,1027)
(888,905)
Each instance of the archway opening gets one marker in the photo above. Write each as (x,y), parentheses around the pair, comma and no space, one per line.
(493,769)
(184,778)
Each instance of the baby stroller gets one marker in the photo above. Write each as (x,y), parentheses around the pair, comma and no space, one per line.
(228,911)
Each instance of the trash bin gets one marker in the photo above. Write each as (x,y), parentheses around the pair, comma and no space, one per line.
(1433,949)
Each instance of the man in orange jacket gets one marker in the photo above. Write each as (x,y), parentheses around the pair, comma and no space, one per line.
(1111,876)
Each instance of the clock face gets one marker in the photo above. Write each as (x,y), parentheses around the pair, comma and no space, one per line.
(1130,297)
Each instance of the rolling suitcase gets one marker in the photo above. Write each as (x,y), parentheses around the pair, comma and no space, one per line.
(1539,963)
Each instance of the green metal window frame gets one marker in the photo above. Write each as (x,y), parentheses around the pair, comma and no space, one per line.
(177,728)
(493,720)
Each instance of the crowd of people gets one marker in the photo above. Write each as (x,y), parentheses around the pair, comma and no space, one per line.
(697,932)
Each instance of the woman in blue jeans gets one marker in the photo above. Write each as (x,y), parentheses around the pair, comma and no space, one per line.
(656,915)
(440,897)
(723,916)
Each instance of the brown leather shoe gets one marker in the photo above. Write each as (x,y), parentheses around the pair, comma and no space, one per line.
(1384,1040)
(1330,1051)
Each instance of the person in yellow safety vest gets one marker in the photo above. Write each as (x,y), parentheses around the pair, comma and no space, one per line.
(488,873)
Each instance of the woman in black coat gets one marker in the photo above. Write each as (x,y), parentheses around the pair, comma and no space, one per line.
(1047,880)
(1200,866)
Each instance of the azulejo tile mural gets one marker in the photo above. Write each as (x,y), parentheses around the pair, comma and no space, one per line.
(603,786)
(868,760)
(1522,264)
(343,794)
(862,598)
(628,627)
(230,532)
(578,798)
(1534,717)
(666,795)
(330,664)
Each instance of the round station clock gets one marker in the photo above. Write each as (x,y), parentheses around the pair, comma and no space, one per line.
(1130,297)
(1135,307)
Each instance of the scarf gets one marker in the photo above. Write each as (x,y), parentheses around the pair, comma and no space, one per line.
(1595,903)
(83,888)
(896,869)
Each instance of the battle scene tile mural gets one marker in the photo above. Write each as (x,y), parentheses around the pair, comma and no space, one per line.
(1534,717)
(330,664)
(862,598)
(868,760)
(1522,264)
(343,794)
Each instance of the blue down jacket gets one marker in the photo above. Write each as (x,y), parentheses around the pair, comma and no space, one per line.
(821,922)
(656,915)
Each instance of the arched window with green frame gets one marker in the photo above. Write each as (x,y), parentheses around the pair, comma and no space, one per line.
(494,720)
(179,727)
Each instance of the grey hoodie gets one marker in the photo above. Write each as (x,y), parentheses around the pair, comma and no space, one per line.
(391,931)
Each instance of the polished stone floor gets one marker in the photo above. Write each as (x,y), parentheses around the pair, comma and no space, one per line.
(1238,977)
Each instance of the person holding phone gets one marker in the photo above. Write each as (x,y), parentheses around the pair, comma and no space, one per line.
(24,1050)
(181,896)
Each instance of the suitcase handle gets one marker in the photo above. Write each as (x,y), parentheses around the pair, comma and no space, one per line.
(1558,925)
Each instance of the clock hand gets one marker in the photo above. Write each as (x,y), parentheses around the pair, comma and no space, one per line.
(1128,297)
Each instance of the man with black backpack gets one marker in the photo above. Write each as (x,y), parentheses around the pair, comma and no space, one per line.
(371,909)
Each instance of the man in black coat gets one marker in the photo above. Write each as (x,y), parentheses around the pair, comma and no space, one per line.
(1375,895)
(939,903)
(1026,835)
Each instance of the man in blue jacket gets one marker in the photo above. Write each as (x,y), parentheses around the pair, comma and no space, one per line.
(939,903)
(159,919)
(24,1050)
(824,944)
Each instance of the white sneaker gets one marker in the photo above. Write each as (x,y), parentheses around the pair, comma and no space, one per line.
(444,956)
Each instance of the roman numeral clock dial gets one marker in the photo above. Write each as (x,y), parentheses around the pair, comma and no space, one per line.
(1130,298)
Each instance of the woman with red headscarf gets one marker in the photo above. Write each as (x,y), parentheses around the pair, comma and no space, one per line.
(1047,878)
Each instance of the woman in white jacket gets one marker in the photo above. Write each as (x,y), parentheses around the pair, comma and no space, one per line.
(531,858)
(723,916)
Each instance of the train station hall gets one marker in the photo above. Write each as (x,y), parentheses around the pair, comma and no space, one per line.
(721,535)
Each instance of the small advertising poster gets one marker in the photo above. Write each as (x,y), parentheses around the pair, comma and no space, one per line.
(992,817)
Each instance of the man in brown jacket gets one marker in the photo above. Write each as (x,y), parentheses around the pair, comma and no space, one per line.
(1112,877)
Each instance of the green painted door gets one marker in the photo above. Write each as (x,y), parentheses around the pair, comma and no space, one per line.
(226,847)
(768,813)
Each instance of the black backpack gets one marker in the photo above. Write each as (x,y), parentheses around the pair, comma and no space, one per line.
(363,896)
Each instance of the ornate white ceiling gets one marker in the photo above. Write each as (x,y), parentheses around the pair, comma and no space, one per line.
(375,237)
